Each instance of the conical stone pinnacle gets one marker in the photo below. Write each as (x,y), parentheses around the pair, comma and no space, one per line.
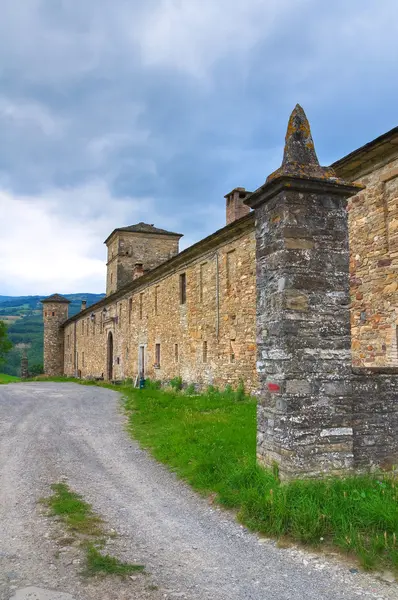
(299,157)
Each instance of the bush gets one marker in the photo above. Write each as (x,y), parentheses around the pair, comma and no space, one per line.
(176,383)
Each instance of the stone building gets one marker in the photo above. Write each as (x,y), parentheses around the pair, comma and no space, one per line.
(266,300)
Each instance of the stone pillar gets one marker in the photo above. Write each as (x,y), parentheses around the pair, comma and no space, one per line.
(55,313)
(303,316)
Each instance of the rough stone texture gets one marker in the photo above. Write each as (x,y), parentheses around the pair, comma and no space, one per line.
(303,320)
(129,246)
(375,420)
(35,593)
(373,221)
(24,366)
(214,331)
(55,313)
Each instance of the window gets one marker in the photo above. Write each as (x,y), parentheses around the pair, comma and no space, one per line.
(183,288)
(88,325)
(202,273)
(68,340)
(157,355)
(231,269)
(156,299)
(53,313)
(120,315)
(141,303)
(93,321)
(176,353)
(205,352)
(111,278)
(130,308)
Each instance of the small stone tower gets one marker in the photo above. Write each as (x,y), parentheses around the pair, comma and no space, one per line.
(140,244)
(55,313)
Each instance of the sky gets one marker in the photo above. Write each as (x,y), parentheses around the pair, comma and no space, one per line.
(114,112)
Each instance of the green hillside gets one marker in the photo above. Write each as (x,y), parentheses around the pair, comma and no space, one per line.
(23,315)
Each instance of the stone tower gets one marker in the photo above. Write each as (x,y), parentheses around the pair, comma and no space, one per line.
(137,248)
(55,313)
(303,313)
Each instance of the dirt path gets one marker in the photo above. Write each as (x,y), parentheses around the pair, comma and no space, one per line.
(50,432)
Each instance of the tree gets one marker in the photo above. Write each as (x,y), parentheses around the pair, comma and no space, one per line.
(5,344)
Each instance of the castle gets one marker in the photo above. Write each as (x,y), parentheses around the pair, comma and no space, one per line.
(265,300)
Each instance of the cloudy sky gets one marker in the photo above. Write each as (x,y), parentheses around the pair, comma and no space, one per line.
(119,111)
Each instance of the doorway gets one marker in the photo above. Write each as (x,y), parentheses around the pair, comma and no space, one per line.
(110,357)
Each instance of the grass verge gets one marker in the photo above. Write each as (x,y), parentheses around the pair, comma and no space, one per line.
(210,441)
(85,525)
(8,379)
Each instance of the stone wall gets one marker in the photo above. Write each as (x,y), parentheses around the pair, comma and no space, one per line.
(375,418)
(373,224)
(208,339)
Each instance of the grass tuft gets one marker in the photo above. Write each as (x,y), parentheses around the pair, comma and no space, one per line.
(100,564)
(80,520)
(210,441)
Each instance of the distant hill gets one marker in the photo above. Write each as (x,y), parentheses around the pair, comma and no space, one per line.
(23,315)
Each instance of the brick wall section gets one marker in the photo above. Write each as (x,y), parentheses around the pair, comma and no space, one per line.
(373,224)
(125,249)
(375,419)
(214,330)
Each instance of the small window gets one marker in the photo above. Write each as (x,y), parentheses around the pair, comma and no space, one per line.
(205,352)
(157,355)
(232,351)
(156,299)
(183,288)
(93,320)
(120,315)
(176,353)
(53,313)
(130,308)
(141,304)
(111,278)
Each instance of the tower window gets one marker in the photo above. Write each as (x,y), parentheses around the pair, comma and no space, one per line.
(183,288)
(53,313)
(141,304)
(176,353)
(130,308)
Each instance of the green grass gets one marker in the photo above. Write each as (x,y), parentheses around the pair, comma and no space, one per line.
(83,523)
(100,564)
(8,378)
(210,441)
(74,511)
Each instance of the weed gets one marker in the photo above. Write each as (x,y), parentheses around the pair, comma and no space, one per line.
(72,509)
(176,383)
(80,519)
(190,389)
(103,564)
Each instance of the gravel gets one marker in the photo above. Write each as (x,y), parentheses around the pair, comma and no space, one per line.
(52,432)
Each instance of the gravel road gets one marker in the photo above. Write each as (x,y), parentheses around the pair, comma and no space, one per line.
(51,432)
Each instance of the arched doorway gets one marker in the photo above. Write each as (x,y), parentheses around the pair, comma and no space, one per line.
(110,357)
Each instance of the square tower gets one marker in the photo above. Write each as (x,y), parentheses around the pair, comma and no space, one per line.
(141,244)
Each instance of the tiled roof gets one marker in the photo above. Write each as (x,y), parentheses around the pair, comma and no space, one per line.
(56,298)
(144,228)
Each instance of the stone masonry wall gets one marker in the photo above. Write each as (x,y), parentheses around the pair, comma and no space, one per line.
(375,419)
(209,339)
(373,224)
